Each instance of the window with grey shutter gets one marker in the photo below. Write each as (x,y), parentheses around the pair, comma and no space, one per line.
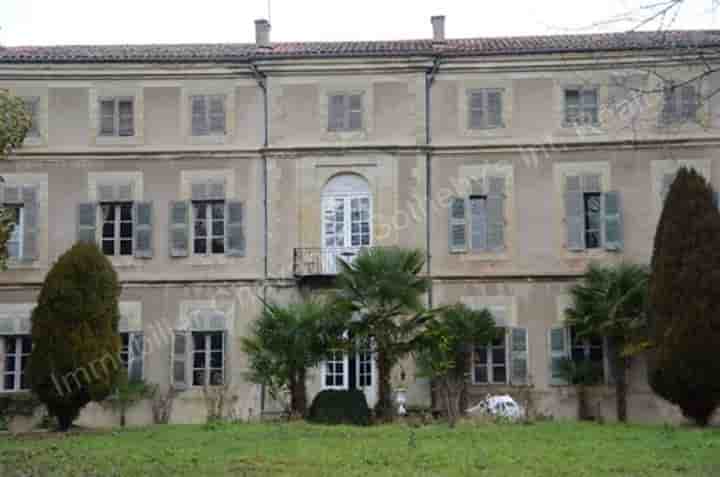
(235,233)
(574,214)
(345,112)
(581,106)
(680,103)
(208,115)
(117,117)
(688,103)
(496,214)
(478,223)
(485,109)
(558,345)
(135,367)
(458,225)
(31,220)
(612,221)
(518,356)
(180,351)
(32,109)
(87,219)
(142,227)
(179,228)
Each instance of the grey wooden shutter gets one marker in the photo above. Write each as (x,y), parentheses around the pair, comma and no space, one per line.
(226,358)
(494,109)
(669,109)
(217,114)
(142,228)
(518,356)
(135,368)
(557,341)
(612,221)
(86,220)
(31,222)
(180,351)
(355,112)
(458,225)
(179,228)
(199,115)
(496,214)
(32,106)
(689,102)
(336,112)
(234,229)
(126,122)
(107,117)
(476,113)
(574,214)
(478,223)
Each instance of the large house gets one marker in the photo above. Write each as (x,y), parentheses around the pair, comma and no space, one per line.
(211,175)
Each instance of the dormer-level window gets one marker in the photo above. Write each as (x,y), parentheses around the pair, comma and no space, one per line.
(581,106)
(32,107)
(117,117)
(485,109)
(208,115)
(345,112)
(680,103)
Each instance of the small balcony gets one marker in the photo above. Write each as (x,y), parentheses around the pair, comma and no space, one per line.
(318,262)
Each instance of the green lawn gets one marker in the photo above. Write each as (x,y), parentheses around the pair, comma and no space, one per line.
(543,449)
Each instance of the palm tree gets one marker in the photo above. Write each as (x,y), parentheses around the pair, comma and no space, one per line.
(383,289)
(287,340)
(610,301)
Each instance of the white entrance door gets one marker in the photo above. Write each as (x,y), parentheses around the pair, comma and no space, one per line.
(346,228)
(366,376)
(336,373)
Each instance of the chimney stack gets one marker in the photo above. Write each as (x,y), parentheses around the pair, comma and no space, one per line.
(438,24)
(262,33)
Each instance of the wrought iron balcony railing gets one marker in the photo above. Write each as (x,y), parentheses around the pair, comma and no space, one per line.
(321,261)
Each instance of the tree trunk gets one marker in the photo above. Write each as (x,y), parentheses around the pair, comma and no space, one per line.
(298,394)
(583,411)
(621,387)
(384,409)
(64,422)
(450,402)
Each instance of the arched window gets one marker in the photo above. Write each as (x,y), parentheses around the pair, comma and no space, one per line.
(346,218)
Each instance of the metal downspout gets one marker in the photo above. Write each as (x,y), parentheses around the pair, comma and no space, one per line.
(429,80)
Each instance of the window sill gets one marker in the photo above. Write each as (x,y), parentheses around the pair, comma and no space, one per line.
(341,136)
(35,141)
(13,264)
(126,261)
(593,253)
(209,260)
(118,140)
(471,256)
(209,140)
(502,131)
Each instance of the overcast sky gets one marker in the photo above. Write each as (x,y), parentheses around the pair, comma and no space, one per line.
(46,22)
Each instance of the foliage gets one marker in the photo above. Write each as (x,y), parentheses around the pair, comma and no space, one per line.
(128,393)
(611,301)
(581,375)
(76,346)
(287,340)
(299,449)
(383,288)
(13,128)
(17,404)
(340,407)
(685,299)
(446,348)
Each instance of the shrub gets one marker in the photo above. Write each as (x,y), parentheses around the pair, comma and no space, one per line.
(684,299)
(76,345)
(340,407)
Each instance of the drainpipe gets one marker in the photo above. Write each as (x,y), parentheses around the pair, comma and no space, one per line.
(429,80)
(261,79)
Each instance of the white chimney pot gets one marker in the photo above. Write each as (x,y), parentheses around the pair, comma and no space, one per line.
(262,33)
(438,24)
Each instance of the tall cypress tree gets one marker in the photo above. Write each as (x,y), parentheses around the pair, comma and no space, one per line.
(76,345)
(684,318)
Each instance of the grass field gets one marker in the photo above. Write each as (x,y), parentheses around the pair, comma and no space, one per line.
(543,449)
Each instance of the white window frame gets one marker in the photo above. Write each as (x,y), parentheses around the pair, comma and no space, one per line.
(208,351)
(490,365)
(116,100)
(207,99)
(18,371)
(335,358)
(128,354)
(116,239)
(208,219)
(485,110)
(17,234)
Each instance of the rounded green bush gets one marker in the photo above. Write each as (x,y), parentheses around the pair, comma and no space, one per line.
(340,407)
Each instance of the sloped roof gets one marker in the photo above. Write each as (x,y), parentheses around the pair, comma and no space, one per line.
(229,52)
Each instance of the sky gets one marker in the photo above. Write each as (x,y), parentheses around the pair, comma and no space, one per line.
(53,22)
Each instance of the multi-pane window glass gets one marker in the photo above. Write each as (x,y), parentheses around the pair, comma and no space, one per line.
(32,106)
(15,241)
(680,103)
(490,362)
(345,112)
(131,354)
(117,228)
(335,222)
(485,109)
(117,117)
(17,353)
(360,222)
(208,227)
(335,370)
(208,358)
(478,222)
(581,106)
(587,349)
(593,219)
(208,115)
(365,365)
